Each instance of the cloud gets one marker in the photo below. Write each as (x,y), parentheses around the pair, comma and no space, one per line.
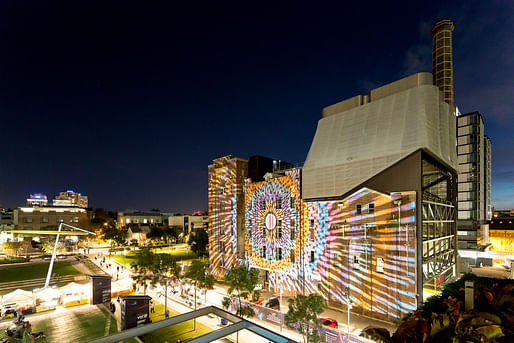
(417,58)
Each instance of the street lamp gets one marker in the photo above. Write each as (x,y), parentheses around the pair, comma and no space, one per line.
(349,305)
(47,282)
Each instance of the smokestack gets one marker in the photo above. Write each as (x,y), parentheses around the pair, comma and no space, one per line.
(442,64)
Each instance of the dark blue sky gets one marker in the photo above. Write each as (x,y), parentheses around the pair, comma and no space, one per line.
(128,102)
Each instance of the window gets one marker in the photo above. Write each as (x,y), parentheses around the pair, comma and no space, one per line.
(312,223)
(279,204)
(279,253)
(44,219)
(358,209)
(263,232)
(279,232)
(264,252)
(75,219)
(292,256)
(27,220)
(371,207)
(60,220)
(312,256)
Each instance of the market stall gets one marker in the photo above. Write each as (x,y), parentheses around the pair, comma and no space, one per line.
(121,287)
(18,300)
(46,299)
(74,294)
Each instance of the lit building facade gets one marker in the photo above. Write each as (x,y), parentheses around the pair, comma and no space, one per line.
(474,181)
(371,216)
(187,224)
(70,198)
(501,233)
(37,200)
(140,217)
(47,218)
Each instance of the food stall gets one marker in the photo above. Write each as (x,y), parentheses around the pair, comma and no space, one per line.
(74,294)
(47,299)
(18,300)
(121,287)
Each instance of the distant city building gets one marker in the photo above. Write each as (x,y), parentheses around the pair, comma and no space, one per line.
(503,212)
(474,181)
(138,233)
(6,224)
(141,217)
(187,224)
(37,200)
(70,198)
(46,218)
(501,233)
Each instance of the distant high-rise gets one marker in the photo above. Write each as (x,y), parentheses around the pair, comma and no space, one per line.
(474,181)
(37,200)
(70,198)
(442,64)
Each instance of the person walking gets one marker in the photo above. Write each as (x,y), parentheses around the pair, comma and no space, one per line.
(152,307)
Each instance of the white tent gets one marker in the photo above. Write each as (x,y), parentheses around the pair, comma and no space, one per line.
(47,292)
(18,296)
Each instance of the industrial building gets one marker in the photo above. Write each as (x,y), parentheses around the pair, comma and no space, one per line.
(370,218)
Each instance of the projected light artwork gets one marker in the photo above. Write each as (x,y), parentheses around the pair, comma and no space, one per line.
(356,243)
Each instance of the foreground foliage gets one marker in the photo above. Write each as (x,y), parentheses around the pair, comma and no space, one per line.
(303,316)
(442,318)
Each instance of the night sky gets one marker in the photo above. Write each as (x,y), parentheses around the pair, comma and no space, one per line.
(129,102)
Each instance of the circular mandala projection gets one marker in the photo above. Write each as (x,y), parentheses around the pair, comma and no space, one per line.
(272,222)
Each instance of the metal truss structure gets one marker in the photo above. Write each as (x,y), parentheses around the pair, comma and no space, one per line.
(438,224)
(236,324)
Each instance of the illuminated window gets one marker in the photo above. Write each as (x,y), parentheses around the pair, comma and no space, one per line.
(44,219)
(145,221)
(127,221)
(371,207)
(358,209)
(75,219)
(29,220)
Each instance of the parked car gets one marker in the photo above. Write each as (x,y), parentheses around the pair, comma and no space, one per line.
(330,322)
(272,303)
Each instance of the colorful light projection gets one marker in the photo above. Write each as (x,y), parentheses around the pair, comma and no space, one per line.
(357,243)
(324,246)
(279,234)
(226,207)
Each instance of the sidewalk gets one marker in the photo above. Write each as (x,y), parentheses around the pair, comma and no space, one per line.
(215,296)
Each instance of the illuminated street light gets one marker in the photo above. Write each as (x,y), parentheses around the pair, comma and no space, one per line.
(47,282)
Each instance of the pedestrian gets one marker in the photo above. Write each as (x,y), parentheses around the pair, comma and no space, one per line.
(152,307)
(118,269)
(167,314)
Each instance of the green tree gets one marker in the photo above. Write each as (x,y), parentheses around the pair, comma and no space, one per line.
(303,316)
(146,269)
(242,284)
(198,241)
(114,235)
(198,273)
